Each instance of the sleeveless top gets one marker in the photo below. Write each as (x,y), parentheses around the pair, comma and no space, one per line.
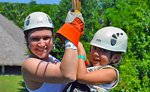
(78,87)
(103,87)
(49,87)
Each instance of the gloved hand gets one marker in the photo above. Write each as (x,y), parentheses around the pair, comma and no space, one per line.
(73,27)
(75,18)
(71,15)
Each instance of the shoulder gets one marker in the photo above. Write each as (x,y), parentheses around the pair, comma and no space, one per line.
(93,68)
(104,74)
(104,67)
(30,62)
(115,82)
(112,68)
(28,71)
(29,67)
(108,66)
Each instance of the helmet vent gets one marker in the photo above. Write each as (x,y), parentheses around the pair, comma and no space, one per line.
(117,34)
(113,39)
(113,42)
(114,36)
(28,21)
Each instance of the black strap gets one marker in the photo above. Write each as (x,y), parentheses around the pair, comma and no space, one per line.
(77,86)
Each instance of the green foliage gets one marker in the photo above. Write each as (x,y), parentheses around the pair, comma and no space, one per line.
(12,84)
(14,12)
(133,16)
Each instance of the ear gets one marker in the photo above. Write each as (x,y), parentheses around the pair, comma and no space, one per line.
(116,58)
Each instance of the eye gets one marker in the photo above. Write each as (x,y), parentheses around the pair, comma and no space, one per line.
(106,51)
(94,48)
(101,50)
(35,39)
(46,38)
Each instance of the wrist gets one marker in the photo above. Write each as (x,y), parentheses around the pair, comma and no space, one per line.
(82,57)
(70,45)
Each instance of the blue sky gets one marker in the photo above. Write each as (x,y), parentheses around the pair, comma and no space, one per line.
(37,1)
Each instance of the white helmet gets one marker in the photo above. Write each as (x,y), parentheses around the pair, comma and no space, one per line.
(36,20)
(110,38)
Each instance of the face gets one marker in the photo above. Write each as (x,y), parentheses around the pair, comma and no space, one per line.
(40,42)
(99,56)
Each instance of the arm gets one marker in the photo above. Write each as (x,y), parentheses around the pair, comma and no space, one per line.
(69,64)
(95,77)
(36,72)
(40,71)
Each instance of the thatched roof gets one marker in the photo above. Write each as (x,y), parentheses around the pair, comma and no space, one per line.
(12,43)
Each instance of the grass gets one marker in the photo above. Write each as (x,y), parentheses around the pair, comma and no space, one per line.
(12,83)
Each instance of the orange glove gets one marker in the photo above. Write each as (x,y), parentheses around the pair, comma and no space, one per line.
(72,30)
(79,25)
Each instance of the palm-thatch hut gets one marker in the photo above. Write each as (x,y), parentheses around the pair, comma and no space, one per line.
(12,45)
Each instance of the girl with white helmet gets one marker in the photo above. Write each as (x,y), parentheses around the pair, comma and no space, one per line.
(107,47)
(41,71)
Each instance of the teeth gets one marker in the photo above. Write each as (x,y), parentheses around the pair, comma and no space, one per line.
(42,50)
(45,47)
(96,59)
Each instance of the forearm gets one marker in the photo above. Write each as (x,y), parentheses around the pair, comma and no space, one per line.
(82,71)
(69,64)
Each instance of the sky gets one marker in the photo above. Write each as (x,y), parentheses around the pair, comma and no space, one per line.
(37,1)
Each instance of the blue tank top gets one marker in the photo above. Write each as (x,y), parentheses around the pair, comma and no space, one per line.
(47,87)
